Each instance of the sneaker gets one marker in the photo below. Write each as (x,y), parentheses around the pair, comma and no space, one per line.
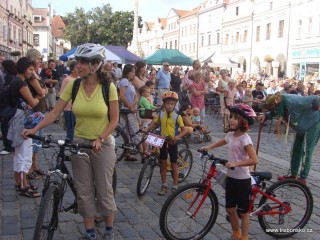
(280,178)
(303,181)
(108,236)
(87,236)
(4,152)
(174,189)
(163,191)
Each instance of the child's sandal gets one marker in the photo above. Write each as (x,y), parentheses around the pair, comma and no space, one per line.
(33,176)
(28,192)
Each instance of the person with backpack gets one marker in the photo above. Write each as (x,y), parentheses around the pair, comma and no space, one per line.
(93,105)
(170,122)
(9,69)
(20,96)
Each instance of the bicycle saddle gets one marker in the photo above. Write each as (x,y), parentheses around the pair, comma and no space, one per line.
(262,175)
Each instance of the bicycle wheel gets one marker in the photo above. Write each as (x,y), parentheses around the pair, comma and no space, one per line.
(176,216)
(145,175)
(47,220)
(294,194)
(185,161)
(121,140)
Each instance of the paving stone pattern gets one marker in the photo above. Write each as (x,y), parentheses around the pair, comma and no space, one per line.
(137,218)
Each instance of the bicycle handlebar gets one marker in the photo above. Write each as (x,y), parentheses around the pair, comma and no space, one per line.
(213,158)
(48,140)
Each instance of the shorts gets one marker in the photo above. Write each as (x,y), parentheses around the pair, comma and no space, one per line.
(172,149)
(238,192)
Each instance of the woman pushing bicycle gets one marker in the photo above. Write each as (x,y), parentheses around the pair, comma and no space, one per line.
(241,155)
(97,116)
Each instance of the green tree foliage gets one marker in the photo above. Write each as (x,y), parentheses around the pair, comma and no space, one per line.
(100,25)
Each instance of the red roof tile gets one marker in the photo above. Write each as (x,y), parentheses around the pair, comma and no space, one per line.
(43,12)
(57,26)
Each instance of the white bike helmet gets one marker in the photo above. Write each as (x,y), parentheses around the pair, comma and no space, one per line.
(90,51)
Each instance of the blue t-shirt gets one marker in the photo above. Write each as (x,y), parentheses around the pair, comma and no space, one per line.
(130,91)
(164,79)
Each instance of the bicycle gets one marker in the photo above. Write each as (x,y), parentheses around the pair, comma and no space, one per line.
(55,186)
(124,143)
(184,161)
(191,211)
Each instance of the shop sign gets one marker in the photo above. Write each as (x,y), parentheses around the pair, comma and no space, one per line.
(306,53)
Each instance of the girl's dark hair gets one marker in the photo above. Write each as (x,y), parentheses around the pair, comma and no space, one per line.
(126,69)
(149,83)
(23,64)
(243,123)
(9,67)
(139,65)
(183,108)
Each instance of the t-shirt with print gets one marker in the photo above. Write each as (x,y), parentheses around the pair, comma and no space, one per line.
(91,112)
(168,125)
(237,153)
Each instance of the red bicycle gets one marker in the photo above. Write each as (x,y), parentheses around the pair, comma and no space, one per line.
(190,212)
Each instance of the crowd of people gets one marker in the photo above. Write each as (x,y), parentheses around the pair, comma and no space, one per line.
(46,89)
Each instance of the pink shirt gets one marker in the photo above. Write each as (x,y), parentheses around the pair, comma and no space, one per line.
(236,153)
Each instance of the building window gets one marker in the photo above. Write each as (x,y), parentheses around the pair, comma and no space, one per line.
(186,31)
(185,47)
(245,36)
(299,28)
(36,39)
(181,48)
(182,32)
(202,41)
(209,39)
(237,11)
(61,43)
(258,34)
(310,27)
(268,31)
(174,25)
(281,27)
(194,29)
(189,47)
(170,44)
(218,38)
(19,36)
(37,18)
(227,39)
(190,30)
(237,37)
(193,47)
(175,44)
(166,45)
(271,5)
(209,18)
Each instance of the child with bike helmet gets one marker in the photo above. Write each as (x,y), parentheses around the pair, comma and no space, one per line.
(96,119)
(241,155)
(169,122)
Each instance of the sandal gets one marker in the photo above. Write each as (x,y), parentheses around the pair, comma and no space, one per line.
(40,172)
(33,176)
(33,188)
(28,192)
(130,159)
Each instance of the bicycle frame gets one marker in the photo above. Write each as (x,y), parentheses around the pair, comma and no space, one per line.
(256,189)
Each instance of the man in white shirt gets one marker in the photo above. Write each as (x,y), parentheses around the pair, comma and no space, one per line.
(117,71)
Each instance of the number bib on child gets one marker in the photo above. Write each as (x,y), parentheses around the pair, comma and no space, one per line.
(155,140)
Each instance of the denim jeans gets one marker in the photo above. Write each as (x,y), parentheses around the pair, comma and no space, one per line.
(70,121)
(311,138)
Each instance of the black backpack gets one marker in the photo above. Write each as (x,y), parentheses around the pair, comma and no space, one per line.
(184,98)
(105,91)
(7,111)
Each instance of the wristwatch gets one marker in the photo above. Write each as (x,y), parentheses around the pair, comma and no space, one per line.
(101,139)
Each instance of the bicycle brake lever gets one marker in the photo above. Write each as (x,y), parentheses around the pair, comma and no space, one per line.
(35,144)
(82,153)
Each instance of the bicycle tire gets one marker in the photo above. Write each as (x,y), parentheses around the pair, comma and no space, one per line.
(121,139)
(51,198)
(185,161)
(300,199)
(176,220)
(146,173)
(114,181)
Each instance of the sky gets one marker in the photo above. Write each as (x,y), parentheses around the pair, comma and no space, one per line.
(148,9)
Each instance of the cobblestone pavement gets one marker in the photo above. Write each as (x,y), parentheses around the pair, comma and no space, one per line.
(137,218)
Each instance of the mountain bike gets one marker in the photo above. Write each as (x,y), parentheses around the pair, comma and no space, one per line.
(124,143)
(55,186)
(191,211)
(184,161)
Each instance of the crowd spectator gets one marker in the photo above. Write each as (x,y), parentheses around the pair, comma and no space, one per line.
(163,80)
(175,82)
